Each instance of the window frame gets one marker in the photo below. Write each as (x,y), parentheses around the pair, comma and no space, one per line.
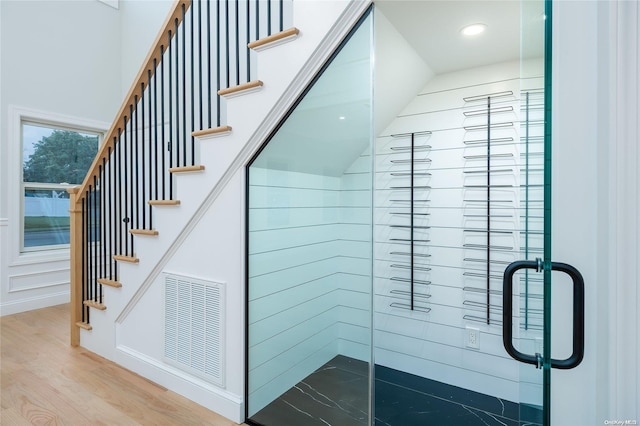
(18,116)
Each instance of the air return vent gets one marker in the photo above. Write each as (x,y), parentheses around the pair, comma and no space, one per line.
(194,326)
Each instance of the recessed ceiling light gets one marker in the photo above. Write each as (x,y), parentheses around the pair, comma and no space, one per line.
(473,29)
(342,117)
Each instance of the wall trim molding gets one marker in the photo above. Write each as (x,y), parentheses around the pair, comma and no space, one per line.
(34,287)
(36,302)
(14,277)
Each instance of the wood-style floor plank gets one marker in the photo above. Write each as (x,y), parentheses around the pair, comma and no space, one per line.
(44,381)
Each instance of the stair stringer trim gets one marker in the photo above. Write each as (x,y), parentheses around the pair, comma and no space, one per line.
(327,46)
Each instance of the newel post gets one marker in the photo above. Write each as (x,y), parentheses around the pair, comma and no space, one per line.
(75,267)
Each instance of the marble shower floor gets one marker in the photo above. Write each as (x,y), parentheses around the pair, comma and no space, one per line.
(337,394)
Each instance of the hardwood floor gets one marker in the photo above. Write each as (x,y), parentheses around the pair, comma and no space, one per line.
(44,381)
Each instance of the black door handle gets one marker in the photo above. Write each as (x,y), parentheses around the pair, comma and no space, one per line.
(578,314)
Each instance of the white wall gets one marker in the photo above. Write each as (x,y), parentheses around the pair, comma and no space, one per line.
(61,58)
(395,60)
(595,202)
(140,21)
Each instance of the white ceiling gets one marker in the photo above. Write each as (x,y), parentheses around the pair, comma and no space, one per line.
(316,140)
(432,28)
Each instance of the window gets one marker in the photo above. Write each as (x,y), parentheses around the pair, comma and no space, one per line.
(54,158)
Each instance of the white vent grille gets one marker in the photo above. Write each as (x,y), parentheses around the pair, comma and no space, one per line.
(193,326)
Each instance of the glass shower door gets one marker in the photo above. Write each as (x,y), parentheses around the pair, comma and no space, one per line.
(461,193)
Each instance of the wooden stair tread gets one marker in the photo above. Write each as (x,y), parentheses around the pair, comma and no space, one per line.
(109,282)
(222,130)
(241,88)
(186,169)
(282,35)
(164,202)
(84,325)
(150,232)
(94,304)
(123,258)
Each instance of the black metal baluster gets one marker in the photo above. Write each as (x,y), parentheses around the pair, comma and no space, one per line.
(268,17)
(83,270)
(136,205)
(248,20)
(209,61)
(281,15)
(155,130)
(94,248)
(170,105)
(87,241)
(89,246)
(132,187)
(193,154)
(227,42)
(102,211)
(118,197)
(122,195)
(99,224)
(218,116)
(152,164)
(111,209)
(162,108)
(125,190)
(237,43)
(177,142)
(142,163)
(113,202)
(200,89)
(184,88)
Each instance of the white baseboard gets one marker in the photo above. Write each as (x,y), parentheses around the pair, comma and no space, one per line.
(31,303)
(215,399)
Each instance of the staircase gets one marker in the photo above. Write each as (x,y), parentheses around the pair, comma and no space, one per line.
(166,192)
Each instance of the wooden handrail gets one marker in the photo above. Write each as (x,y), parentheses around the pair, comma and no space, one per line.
(136,90)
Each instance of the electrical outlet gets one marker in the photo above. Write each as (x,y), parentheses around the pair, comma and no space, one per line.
(473,338)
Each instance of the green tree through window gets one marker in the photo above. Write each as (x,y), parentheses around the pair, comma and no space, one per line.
(63,156)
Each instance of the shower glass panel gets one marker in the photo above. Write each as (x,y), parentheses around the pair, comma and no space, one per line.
(458,196)
(310,252)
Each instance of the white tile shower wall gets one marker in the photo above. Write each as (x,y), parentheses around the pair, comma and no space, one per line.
(450,222)
(308,278)
(292,298)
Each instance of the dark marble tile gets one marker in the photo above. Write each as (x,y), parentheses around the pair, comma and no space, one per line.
(448,392)
(337,394)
